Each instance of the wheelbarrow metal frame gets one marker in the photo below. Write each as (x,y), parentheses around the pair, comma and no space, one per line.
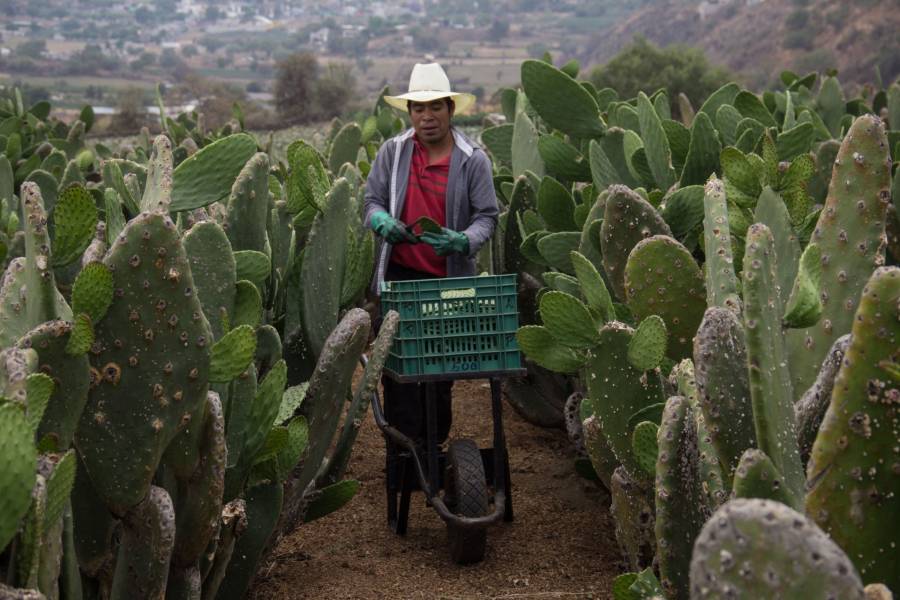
(429,480)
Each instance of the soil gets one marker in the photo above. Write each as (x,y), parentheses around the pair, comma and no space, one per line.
(560,545)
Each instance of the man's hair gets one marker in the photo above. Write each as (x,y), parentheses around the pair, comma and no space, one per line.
(448,100)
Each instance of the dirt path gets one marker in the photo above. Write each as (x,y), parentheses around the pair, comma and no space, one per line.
(561,544)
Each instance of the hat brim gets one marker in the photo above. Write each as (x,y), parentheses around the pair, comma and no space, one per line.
(461,100)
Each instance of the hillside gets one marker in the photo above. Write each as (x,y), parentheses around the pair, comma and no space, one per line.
(760,38)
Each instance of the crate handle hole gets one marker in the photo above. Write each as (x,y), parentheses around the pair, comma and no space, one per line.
(455,294)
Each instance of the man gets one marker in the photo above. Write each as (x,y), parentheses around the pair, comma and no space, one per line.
(429,170)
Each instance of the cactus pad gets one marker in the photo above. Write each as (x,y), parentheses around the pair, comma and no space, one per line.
(628,220)
(662,278)
(757,477)
(752,548)
(248,206)
(151,383)
(207,175)
(632,511)
(561,101)
(681,509)
(644,446)
(854,487)
(74,220)
(17,459)
(770,382)
(648,345)
(568,320)
(92,291)
(617,390)
(158,189)
(232,354)
(71,377)
(723,390)
(804,306)
(850,234)
(721,283)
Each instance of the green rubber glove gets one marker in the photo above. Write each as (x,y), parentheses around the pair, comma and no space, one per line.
(447,242)
(391,229)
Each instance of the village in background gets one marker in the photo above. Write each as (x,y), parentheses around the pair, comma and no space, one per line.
(303,61)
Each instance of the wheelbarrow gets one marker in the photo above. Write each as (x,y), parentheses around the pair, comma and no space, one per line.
(456,328)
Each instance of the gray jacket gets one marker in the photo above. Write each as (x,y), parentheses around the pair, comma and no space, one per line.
(471,200)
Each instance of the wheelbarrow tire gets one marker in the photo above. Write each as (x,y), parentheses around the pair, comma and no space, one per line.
(466,494)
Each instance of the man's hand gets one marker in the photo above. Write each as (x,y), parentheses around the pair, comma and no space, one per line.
(447,242)
(391,229)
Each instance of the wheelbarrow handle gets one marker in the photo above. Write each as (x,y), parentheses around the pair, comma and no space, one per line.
(399,438)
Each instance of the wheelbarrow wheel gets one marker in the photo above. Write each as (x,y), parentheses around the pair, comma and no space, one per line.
(466,494)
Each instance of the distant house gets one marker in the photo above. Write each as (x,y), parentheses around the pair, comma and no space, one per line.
(172,110)
(319,37)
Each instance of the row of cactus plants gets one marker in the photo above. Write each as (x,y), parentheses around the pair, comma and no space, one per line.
(714,292)
(178,333)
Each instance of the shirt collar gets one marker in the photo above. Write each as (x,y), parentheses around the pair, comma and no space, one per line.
(420,148)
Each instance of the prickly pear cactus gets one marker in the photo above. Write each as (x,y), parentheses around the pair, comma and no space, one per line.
(810,409)
(681,507)
(17,474)
(661,278)
(723,391)
(150,362)
(757,477)
(721,283)
(632,511)
(854,490)
(70,373)
(770,382)
(248,206)
(617,390)
(628,220)
(850,234)
(752,548)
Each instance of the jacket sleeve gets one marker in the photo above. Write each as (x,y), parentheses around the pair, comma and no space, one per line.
(483,209)
(378,183)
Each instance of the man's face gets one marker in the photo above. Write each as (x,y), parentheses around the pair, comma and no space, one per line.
(431,120)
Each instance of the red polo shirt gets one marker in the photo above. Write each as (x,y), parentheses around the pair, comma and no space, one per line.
(426,194)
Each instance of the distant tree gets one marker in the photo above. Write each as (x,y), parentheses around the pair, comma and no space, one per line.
(130,113)
(143,15)
(499,29)
(295,84)
(189,51)
(334,89)
(536,50)
(427,40)
(91,60)
(211,43)
(31,49)
(144,61)
(643,66)
(212,13)
(168,59)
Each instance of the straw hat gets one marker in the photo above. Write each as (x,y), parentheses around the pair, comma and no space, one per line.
(428,82)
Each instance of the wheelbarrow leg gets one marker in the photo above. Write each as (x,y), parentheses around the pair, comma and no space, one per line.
(501,457)
(406,476)
(431,443)
(398,483)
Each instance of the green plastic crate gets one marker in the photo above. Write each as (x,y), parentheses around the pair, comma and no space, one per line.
(453,326)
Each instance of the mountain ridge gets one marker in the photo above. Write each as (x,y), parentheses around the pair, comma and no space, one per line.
(757,39)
